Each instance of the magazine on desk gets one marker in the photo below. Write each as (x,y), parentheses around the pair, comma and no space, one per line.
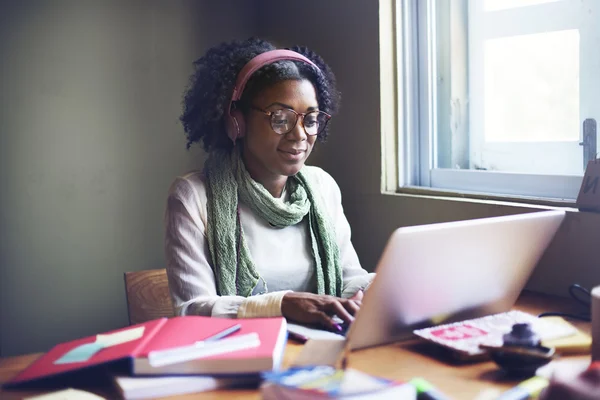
(130,350)
(327,382)
(464,337)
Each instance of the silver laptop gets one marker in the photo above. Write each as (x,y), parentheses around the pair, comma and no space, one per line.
(439,273)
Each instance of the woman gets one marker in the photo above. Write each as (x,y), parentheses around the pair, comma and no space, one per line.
(257,233)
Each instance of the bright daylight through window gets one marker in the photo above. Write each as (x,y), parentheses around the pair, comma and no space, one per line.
(496,93)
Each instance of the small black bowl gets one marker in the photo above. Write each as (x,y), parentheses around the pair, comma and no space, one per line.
(519,360)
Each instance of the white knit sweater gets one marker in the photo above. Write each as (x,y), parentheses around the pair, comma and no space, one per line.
(281,256)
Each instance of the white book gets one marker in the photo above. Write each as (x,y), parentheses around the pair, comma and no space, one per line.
(139,388)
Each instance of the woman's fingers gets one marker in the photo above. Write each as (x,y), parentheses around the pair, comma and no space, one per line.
(351,306)
(325,320)
(311,308)
(340,310)
(358,296)
(345,309)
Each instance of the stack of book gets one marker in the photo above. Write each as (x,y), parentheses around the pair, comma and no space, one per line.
(166,356)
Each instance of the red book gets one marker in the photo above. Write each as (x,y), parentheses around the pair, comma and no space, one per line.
(162,334)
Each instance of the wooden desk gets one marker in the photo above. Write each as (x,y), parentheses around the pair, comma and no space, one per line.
(398,361)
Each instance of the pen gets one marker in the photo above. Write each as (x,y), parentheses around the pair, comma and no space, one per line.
(529,389)
(426,391)
(223,333)
(298,337)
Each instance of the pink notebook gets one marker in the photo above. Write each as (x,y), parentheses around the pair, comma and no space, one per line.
(131,345)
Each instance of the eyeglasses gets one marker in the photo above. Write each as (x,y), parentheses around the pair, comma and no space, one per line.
(285,119)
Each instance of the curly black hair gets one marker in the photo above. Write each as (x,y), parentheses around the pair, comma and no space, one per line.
(211,86)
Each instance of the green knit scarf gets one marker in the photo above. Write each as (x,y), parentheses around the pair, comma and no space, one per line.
(227,182)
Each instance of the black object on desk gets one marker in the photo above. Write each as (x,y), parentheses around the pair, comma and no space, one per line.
(521,353)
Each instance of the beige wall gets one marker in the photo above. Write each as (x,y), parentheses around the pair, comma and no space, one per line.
(346,35)
(90,95)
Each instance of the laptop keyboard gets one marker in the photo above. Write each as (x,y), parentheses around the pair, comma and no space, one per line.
(344,325)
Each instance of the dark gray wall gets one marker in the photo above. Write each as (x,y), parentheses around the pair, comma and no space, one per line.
(90,95)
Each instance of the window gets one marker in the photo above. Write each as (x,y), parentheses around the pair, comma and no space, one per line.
(493,95)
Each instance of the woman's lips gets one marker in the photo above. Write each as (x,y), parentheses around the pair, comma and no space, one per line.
(292,154)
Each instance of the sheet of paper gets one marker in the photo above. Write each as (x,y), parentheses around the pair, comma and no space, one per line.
(488,394)
(67,394)
(565,367)
(312,333)
(176,355)
(80,353)
(121,337)
(162,386)
(320,352)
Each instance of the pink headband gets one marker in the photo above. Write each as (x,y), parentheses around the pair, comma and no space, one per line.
(234,125)
(259,61)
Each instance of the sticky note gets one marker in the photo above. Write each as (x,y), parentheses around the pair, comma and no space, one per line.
(86,351)
(80,353)
(121,337)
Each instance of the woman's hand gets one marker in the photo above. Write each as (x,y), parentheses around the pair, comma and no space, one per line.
(358,296)
(309,308)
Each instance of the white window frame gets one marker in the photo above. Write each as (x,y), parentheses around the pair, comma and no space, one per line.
(416,102)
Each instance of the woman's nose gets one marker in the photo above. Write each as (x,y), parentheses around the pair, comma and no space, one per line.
(298,133)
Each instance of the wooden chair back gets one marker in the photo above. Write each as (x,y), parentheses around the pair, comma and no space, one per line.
(148,295)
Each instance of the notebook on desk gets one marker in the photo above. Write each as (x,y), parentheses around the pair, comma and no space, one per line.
(129,350)
(440,273)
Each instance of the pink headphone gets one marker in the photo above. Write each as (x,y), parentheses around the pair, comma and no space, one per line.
(234,120)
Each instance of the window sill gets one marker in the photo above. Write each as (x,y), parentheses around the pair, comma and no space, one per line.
(514,201)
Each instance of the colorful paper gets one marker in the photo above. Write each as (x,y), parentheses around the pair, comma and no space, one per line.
(86,351)
(80,353)
(121,337)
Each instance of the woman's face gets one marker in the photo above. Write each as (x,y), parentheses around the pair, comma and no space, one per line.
(271,157)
